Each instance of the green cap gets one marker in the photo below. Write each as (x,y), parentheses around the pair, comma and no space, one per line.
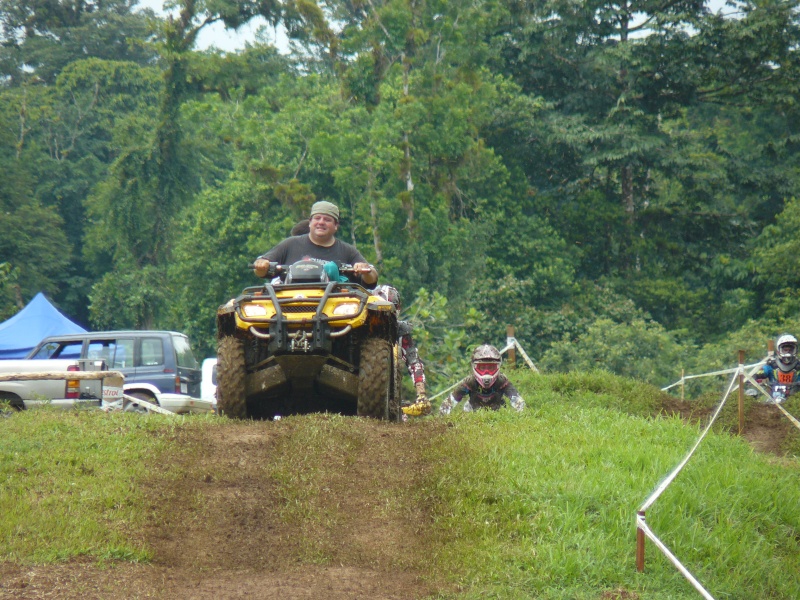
(325,208)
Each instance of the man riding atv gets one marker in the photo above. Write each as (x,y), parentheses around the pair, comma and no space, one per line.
(320,245)
(313,339)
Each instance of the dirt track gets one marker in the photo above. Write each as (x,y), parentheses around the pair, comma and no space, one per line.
(364,537)
(364,540)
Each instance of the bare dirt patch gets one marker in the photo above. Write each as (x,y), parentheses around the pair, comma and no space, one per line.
(225,528)
(765,427)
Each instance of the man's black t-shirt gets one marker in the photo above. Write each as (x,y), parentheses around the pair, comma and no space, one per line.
(300,247)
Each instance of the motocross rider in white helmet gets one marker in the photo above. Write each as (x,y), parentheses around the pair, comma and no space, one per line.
(783,367)
(486,386)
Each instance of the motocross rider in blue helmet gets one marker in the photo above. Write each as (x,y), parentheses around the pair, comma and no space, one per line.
(783,368)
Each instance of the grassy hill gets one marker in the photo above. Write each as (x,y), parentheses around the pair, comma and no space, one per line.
(484,505)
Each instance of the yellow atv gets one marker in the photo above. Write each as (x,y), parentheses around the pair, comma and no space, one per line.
(304,343)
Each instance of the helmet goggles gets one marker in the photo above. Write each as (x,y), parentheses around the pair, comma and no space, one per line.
(486,368)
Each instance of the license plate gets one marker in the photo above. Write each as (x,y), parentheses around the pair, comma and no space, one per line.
(184,388)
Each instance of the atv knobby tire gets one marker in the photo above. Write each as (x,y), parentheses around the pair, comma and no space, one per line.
(396,397)
(231,373)
(375,378)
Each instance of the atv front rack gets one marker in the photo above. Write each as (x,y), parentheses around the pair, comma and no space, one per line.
(321,336)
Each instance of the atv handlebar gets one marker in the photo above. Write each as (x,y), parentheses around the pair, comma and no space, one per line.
(278,269)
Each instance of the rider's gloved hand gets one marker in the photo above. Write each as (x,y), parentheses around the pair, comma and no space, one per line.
(420,408)
(517,403)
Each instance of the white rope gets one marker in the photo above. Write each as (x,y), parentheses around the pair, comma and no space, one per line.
(794,421)
(513,342)
(723,372)
(640,523)
(669,479)
(747,372)
(444,391)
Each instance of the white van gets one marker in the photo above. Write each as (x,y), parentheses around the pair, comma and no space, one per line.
(208,383)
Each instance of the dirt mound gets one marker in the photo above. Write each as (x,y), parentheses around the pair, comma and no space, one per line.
(765,427)
(228,528)
(257,510)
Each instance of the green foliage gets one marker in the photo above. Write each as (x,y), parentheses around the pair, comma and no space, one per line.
(549,166)
(639,349)
(128,300)
(223,233)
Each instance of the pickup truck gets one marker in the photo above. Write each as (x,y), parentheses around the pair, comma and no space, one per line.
(159,366)
(26,392)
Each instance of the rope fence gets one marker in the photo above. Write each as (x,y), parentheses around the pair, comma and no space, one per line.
(741,373)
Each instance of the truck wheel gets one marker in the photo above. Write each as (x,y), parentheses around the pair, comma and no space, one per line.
(141,407)
(375,379)
(231,373)
(10,403)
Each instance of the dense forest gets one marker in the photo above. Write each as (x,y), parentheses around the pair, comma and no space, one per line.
(618,180)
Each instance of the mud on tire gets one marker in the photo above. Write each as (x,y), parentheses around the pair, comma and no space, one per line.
(396,396)
(231,373)
(375,378)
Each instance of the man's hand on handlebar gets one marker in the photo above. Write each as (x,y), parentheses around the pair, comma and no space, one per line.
(261,267)
(369,274)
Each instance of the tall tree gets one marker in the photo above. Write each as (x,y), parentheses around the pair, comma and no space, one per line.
(157,174)
(40,37)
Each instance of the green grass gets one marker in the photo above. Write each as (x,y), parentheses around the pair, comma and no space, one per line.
(534,505)
(70,483)
(542,505)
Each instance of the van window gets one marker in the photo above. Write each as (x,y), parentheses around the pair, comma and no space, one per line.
(152,352)
(123,358)
(101,350)
(183,352)
(45,351)
(67,350)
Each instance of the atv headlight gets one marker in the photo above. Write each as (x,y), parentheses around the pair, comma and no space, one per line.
(346,308)
(254,310)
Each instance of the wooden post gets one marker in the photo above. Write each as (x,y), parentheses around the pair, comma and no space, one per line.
(741,393)
(512,352)
(770,347)
(640,545)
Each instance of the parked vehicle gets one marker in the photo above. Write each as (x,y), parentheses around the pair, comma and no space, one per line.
(60,393)
(208,385)
(159,366)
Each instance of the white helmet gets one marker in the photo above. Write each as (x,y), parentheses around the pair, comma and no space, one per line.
(486,361)
(786,348)
(389,293)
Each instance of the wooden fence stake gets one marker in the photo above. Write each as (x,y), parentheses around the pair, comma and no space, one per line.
(640,545)
(741,392)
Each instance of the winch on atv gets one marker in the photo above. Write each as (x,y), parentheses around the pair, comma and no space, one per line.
(303,343)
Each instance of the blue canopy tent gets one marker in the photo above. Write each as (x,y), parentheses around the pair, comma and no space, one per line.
(31,325)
